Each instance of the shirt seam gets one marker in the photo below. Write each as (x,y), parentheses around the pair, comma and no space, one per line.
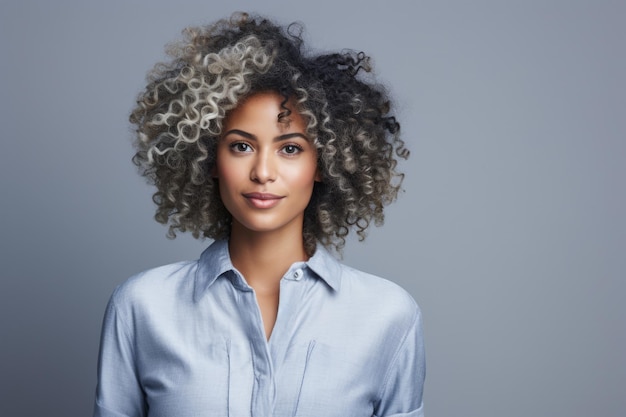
(128,334)
(306,363)
(397,355)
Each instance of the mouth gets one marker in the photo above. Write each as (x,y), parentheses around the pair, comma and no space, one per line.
(263,200)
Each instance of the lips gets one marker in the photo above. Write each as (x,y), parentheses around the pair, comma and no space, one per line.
(263,200)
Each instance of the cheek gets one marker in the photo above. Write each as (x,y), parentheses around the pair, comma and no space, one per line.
(226,170)
(227,181)
(305,174)
(301,179)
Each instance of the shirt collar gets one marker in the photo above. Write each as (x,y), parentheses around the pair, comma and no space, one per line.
(326,266)
(215,261)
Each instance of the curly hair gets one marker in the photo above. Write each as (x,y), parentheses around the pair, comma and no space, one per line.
(179,118)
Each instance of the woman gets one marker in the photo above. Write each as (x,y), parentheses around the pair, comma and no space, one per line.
(275,154)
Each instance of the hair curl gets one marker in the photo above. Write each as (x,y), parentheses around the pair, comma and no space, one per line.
(179,117)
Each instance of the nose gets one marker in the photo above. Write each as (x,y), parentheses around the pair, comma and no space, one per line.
(264,169)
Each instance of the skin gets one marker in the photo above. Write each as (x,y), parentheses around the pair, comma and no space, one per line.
(266,171)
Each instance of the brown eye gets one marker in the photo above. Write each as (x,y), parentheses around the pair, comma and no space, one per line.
(291,149)
(241,147)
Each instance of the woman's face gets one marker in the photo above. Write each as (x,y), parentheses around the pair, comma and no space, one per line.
(266,169)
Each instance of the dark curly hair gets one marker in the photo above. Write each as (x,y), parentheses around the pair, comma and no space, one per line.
(180,113)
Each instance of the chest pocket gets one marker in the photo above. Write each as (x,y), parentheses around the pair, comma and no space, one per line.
(317,379)
(209,382)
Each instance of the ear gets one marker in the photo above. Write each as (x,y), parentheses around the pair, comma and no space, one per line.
(318,175)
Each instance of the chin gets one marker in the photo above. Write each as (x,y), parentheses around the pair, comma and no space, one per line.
(267,226)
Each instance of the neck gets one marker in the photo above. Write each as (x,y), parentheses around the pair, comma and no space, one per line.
(263,258)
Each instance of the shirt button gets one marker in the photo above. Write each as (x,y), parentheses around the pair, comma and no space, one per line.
(297,274)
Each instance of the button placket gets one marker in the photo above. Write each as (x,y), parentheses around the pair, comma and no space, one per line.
(261,363)
(262,367)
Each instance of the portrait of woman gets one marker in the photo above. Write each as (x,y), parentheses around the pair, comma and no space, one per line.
(279,146)
(277,154)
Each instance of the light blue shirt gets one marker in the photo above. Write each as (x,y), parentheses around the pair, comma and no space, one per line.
(187,340)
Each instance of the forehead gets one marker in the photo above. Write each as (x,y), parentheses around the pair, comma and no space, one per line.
(266,110)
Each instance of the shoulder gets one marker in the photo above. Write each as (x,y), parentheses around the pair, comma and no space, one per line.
(155,285)
(385,299)
(361,290)
(371,286)
(380,315)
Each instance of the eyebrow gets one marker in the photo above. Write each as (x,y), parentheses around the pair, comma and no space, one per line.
(250,136)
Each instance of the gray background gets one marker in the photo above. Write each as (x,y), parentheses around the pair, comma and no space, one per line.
(511,233)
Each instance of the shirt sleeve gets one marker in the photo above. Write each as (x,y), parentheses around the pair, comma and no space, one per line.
(404,383)
(119,392)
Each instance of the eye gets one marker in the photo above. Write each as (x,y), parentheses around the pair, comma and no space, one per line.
(240,147)
(291,149)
